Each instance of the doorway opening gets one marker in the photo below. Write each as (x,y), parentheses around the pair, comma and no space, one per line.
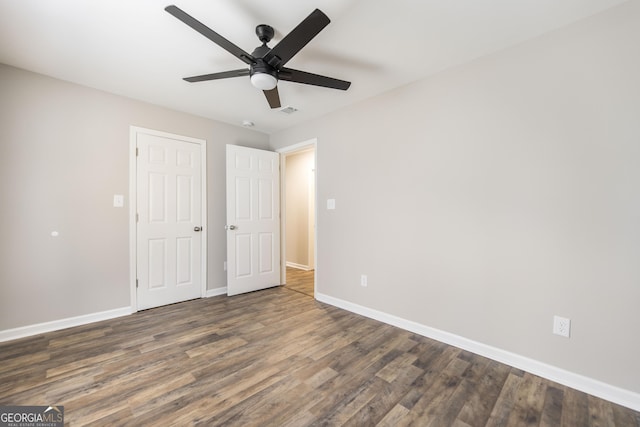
(299,217)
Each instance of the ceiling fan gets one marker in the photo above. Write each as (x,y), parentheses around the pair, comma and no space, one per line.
(267,65)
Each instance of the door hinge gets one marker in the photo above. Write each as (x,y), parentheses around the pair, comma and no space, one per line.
(137,219)
(137,152)
(136,283)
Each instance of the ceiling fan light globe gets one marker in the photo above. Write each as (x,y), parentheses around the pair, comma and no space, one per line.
(263,81)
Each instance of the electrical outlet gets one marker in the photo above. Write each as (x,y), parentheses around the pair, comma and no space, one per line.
(562,326)
(363,280)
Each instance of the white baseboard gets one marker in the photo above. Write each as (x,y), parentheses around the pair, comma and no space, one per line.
(40,328)
(215,292)
(588,385)
(298,266)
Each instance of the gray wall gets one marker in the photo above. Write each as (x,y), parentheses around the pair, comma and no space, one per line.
(64,153)
(486,199)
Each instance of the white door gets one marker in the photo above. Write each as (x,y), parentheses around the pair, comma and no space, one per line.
(169,211)
(253,219)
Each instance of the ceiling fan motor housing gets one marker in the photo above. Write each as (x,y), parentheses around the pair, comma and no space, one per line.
(259,72)
(265,33)
(260,66)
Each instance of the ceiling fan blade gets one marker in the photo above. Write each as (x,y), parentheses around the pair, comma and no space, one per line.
(303,77)
(210,34)
(218,76)
(272,97)
(297,39)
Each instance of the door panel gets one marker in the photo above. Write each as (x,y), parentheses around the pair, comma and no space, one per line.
(169,207)
(157,261)
(184,203)
(266,253)
(184,249)
(253,209)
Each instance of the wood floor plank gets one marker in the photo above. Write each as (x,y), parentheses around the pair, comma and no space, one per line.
(430,408)
(288,406)
(351,406)
(468,384)
(23,362)
(397,416)
(396,367)
(600,413)
(386,401)
(278,358)
(505,403)
(349,383)
(624,417)
(552,408)
(432,370)
(529,401)
(480,402)
(355,403)
(575,410)
(253,408)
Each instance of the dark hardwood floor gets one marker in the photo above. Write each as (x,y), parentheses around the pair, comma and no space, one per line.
(278,358)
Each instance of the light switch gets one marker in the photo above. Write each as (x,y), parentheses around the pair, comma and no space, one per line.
(118,201)
(331,203)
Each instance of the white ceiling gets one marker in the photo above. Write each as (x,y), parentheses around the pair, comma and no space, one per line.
(136,49)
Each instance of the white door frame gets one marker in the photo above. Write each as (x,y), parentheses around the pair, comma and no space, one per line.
(133,194)
(284,151)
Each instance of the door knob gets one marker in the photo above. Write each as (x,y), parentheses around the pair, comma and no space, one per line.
(197,228)
(230,227)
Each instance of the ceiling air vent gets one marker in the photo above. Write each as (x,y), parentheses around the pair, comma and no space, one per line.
(288,109)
